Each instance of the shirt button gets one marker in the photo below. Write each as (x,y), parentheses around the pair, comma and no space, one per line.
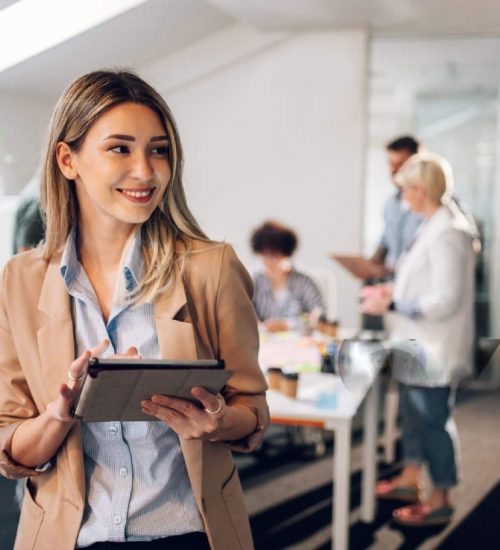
(113,430)
(123,472)
(117,520)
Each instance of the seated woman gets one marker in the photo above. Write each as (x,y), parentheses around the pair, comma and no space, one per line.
(282,293)
(431,325)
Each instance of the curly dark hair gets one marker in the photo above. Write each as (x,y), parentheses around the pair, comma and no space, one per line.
(272,236)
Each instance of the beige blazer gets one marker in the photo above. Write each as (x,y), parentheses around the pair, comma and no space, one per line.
(210,315)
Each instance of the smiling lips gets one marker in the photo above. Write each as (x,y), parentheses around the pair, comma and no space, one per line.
(141,196)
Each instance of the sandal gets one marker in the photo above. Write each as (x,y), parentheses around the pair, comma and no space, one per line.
(422,515)
(391,490)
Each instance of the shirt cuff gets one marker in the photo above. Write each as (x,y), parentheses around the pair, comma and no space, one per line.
(44,467)
(409,308)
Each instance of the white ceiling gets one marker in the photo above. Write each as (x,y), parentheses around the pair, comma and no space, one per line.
(158,27)
(435,65)
(5,3)
(131,39)
(377,15)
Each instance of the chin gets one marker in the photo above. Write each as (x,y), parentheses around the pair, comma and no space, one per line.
(135,217)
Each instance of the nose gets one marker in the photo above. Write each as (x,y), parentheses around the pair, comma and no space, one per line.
(142,169)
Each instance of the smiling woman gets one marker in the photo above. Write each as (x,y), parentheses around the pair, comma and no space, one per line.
(125,271)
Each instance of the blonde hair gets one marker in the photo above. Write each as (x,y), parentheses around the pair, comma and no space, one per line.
(432,171)
(171,223)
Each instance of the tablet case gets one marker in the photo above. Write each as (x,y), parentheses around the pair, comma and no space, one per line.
(360,267)
(114,388)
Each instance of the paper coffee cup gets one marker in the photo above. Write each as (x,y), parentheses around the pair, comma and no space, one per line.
(274,377)
(289,384)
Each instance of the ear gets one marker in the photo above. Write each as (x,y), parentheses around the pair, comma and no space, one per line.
(66,160)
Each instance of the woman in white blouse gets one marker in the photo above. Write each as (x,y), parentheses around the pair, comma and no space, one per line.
(430,320)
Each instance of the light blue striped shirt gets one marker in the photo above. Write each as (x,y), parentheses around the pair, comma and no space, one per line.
(401,225)
(137,485)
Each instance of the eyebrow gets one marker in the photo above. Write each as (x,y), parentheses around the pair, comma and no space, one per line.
(125,137)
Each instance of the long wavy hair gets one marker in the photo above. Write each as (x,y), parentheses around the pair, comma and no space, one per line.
(171,223)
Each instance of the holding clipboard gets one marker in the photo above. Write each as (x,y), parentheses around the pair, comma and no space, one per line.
(114,388)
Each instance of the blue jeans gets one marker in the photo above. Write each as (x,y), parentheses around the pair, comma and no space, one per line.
(429,433)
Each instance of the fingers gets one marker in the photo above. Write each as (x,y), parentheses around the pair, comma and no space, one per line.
(182,406)
(131,353)
(77,368)
(209,401)
(100,348)
(185,417)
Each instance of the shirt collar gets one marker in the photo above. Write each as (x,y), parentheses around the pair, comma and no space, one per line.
(70,265)
(132,266)
(132,261)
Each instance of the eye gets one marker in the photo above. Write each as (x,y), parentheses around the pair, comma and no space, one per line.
(120,149)
(161,150)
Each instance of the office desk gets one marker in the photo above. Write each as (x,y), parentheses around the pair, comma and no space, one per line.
(306,410)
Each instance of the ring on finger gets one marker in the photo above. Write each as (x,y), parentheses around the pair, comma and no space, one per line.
(218,409)
(71,377)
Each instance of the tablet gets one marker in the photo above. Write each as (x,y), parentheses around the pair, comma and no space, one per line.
(114,388)
(360,267)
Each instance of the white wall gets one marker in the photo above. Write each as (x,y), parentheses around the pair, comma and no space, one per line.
(23,124)
(273,125)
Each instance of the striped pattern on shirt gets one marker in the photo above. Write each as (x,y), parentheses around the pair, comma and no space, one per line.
(302,296)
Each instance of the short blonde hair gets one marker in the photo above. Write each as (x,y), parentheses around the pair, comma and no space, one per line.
(432,171)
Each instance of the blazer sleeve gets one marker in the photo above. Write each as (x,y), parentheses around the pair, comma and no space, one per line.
(450,258)
(238,340)
(16,404)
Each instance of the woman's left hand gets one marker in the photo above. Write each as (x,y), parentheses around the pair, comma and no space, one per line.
(187,419)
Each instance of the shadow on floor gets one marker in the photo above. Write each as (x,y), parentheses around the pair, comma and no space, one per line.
(298,519)
(479,529)
(10,514)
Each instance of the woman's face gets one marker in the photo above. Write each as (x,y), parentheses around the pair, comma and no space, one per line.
(122,169)
(413,193)
(275,262)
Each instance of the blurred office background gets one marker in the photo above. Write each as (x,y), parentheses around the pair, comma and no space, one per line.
(284,108)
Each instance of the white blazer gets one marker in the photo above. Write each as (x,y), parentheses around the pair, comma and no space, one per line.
(437,275)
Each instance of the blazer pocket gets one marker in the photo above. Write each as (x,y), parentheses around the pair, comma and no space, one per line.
(30,521)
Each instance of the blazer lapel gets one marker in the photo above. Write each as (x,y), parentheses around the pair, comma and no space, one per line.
(57,351)
(55,337)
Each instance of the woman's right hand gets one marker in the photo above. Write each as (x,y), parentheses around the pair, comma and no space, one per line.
(60,409)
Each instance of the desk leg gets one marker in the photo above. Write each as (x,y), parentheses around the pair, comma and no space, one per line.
(369,477)
(341,485)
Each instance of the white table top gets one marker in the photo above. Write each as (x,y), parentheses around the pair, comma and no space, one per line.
(321,397)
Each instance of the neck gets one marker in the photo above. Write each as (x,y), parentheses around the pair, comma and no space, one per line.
(430,208)
(278,278)
(102,247)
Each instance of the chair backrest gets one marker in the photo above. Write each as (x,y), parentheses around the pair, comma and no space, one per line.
(325,281)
